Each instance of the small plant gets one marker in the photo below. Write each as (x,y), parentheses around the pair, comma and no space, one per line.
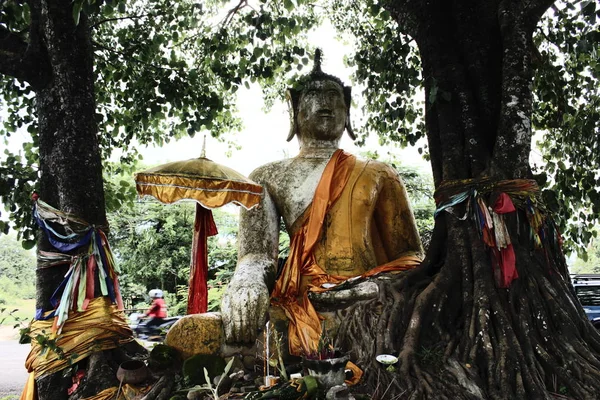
(214,391)
(325,348)
(22,324)
(4,315)
(432,356)
(278,345)
(48,344)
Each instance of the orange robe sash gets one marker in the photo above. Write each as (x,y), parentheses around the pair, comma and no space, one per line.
(305,329)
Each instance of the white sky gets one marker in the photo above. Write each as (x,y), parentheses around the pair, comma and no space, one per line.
(263,137)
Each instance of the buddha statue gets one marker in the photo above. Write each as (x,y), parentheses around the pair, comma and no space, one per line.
(345,217)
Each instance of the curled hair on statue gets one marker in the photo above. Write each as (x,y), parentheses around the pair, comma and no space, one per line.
(294,93)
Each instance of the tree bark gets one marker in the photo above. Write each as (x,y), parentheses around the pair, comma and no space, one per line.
(70,165)
(458,334)
(57,61)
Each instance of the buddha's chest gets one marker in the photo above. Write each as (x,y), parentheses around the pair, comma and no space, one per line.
(293,190)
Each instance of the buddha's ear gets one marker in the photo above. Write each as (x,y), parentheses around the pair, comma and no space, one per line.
(349,128)
(348,101)
(292,96)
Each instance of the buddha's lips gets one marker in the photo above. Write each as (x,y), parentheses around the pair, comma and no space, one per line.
(325,113)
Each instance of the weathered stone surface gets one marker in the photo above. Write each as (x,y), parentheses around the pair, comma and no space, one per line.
(369,225)
(196,334)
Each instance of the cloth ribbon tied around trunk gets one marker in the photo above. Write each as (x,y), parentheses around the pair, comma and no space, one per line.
(95,261)
(101,326)
(490,219)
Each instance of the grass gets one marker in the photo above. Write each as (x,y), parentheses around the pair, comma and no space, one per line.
(25,311)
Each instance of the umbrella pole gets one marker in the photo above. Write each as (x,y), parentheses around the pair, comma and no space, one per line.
(204,226)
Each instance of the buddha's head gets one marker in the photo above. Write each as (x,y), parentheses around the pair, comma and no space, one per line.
(320,106)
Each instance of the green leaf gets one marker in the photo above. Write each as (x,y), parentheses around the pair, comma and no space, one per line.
(28,244)
(77,6)
(288,4)
(207,377)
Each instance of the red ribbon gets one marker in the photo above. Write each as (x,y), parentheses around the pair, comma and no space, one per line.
(204,227)
(506,256)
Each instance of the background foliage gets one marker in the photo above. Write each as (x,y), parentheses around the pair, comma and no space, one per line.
(152,244)
(17,275)
(17,281)
(567,95)
(166,70)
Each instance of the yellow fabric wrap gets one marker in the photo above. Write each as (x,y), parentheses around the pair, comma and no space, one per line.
(101,327)
(291,290)
(127,392)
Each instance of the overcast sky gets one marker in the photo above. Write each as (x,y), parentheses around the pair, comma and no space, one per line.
(263,138)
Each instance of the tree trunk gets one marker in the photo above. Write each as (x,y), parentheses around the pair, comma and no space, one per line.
(460,334)
(70,163)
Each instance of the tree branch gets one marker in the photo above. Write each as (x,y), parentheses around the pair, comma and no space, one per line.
(101,46)
(21,59)
(233,11)
(132,17)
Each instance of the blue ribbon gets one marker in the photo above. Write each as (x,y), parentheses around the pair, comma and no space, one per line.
(57,243)
(55,298)
(48,228)
(39,314)
(109,282)
(454,200)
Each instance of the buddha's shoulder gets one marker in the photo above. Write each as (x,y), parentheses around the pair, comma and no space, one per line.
(377,167)
(270,171)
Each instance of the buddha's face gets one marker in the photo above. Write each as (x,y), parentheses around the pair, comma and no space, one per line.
(322,111)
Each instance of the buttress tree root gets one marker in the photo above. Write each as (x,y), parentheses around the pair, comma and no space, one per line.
(459,336)
(458,330)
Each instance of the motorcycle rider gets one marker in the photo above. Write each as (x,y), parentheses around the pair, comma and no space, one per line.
(157,311)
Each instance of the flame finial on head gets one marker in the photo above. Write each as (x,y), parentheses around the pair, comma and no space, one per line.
(317,61)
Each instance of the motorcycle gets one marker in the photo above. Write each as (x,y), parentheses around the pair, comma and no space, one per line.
(138,324)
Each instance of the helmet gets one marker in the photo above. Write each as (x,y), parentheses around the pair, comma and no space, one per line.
(155,293)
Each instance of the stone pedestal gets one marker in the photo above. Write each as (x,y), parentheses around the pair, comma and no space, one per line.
(203,334)
(197,334)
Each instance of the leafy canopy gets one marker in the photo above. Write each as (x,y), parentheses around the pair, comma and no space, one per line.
(567,113)
(165,69)
(566,92)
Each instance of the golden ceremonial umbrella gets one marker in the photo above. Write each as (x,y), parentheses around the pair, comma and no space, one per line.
(211,185)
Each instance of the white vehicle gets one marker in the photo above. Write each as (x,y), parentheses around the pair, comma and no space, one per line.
(587,289)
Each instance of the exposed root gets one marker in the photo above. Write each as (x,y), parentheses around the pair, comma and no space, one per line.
(161,390)
(458,336)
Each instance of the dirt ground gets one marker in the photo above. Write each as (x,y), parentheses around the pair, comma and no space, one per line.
(7,332)
(12,355)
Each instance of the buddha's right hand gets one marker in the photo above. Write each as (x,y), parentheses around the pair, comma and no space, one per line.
(243,309)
